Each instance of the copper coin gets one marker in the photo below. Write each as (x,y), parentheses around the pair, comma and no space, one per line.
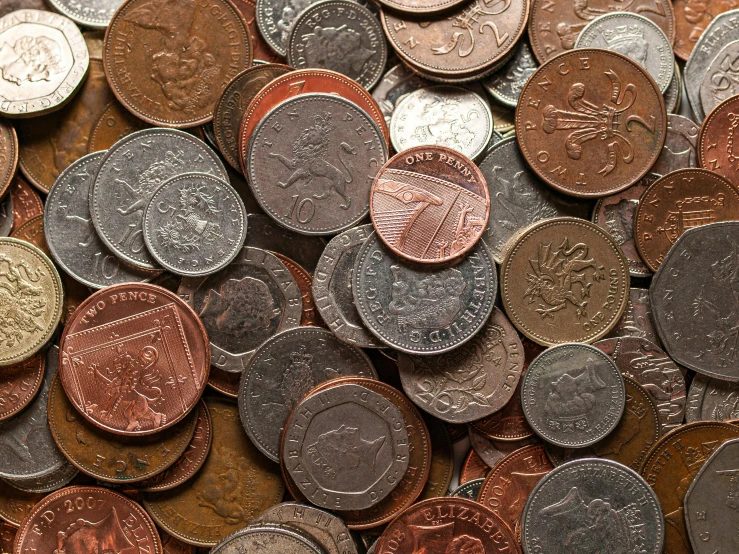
(670,467)
(304,280)
(591,122)
(508,424)
(74,518)
(7,537)
(33,231)
(442,460)
(235,484)
(554,27)
(716,140)
(491,452)
(261,50)
(169,67)
(473,468)
(421,7)
(27,203)
(692,18)
(171,545)
(112,125)
(301,82)
(429,204)
(15,504)
(74,294)
(19,384)
(448,525)
(225,382)
(678,201)
(134,359)
(8,155)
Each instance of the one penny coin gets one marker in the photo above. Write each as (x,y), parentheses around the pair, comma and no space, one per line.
(678,201)
(134,359)
(175,64)
(716,140)
(19,384)
(620,126)
(27,204)
(493,451)
(691,19)
(7,536)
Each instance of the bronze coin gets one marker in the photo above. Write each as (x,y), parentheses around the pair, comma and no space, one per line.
(19,384)
(112,125)
(134,359)
(421,7)
(442,460)
(7,537)
(224,382)
(304,280)
(75,516)
(591,122)
(236,483)
(473,468)
(555,26)
(169,67)
(670,467)
(429,204)
(8,155)
(108,457)
(261,50)
(678,201)
(171,545)
(27,203)
(508,424)
(457,431)
(716,140)
(15,504)
(692,18)
(33,231)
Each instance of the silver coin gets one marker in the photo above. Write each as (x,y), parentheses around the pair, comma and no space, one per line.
(342,36)
(395,85)
(711,502)
(264,233)
(637,319)
(679,151)
(27,449)
(130,172)
(720,78)
(281,372)
(73,242)
(90,13)
(518,197)
(47,483)
(649,366)
(506,84)
(325,528)
(470,382)
(194,224)
(346,447)
(694,296)
(241,306)
(636,37)
(470,490)
(420,309)
(6,215)
(449,116)
(592,505)
(712,400)
(490,451)
(311,163)
(573,395)
(674,93)
(332,288)
(275,19)
(268,539)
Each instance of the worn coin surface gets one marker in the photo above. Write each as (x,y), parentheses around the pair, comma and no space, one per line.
(583,306)
(241,306)
(694,300)
(681,141)
(420,7)
(172,72)
(88,13)
(304,280)
(583,502)
(718,80)
(491,452)
(31,297)
(396,84)
(419,310)
(281,372)
(506,84)
(55,480)
(32,231)
(447,116)
(15,504)
(507,424)
(470,382)
(712,400)
(692,18)
(716,140)
(429,204)
(637,319)
(470,490)
(19,385)
(7,536)
(674,93)
(129,174)
(264,233)
(620,115)
(272,538)
(26,202)
(6,215)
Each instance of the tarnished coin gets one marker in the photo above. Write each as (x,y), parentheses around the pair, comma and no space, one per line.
(421,310)
(304,280)
(506,84)
(429,204)
(32,231)
(518,197)
(712,400)
(637,319)
(340,35)
(446,116)
(491,452)
(441,471)
(6,215)
(7,536)
(31,300)
(244,304)
(620,129)
(194,224)
(506,425)
(679,151)
(589,502)
(564,280)
(470,490)
(716,140)
(333,433)
(129,174)
(573,395)
(396,84)
(44,60)
(235,484)
(273,538)
(26,202)
(15,504)
(134,359)
(473,468)
(281,372)
(68,517)
(636,37)
(19,385)
(616,214)
(692,18)
(470,382)
(113,124)
(718,80)
(649,366)
(694,300)
(55,480)
(171,545)
(176,63)
(70,234)
(8,156)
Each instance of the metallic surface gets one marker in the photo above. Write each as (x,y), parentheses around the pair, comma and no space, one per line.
(712,400)
(506,84)
(19,385)
(681,141)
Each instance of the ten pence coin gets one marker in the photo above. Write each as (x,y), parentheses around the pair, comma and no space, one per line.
(169,67)
(716,140)
(138,333)
(621,122)
(19,384)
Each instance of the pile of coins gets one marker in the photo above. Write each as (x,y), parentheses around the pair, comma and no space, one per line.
(369,276)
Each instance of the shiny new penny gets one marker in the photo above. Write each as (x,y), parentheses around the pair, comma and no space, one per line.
(173,73)
(32,231)
(27,203)
(620,126)
(716,140)
(429,204)
(70,516)
(678,201)
(19,384)
(8,155)
(134,359)
(113,124)
(310,316)
(564,280)
(473,468)
(692,18)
